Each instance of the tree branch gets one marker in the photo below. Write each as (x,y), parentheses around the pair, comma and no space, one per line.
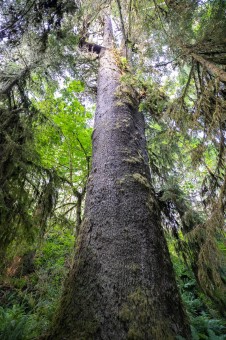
(122,22)
(90,47)
(214,69)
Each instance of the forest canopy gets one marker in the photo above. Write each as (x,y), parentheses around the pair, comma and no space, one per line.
(171,61)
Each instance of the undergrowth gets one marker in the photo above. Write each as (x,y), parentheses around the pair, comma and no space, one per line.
(205,321)
(29,302)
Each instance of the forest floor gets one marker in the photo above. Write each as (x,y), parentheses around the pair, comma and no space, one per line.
(31,288)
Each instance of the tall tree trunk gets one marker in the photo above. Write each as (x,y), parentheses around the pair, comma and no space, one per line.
(122,283)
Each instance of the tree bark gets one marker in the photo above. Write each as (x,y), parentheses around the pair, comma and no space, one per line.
(122,284)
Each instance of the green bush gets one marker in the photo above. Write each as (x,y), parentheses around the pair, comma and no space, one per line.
(31,301)
(204,320)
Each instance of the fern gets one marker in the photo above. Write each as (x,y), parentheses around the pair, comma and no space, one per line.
(12,323)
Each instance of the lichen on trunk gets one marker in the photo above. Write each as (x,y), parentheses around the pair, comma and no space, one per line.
(122,284)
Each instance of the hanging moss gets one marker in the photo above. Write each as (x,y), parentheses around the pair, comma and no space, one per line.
(142,180)
(134,160)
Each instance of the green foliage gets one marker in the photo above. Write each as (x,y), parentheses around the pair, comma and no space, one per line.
(62,134)
(203,324)
(204,318)
(12,323)
(28,313)
(32,300)
(55,248)
(45,143)
(46,161)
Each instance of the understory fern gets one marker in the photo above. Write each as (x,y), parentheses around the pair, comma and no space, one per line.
(12,323)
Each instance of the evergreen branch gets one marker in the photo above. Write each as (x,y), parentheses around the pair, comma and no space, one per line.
(188,81)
